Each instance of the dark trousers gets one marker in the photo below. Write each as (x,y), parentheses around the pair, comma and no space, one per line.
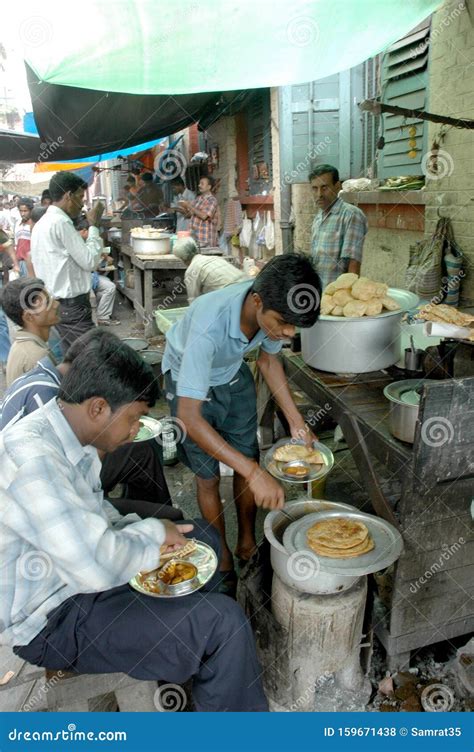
(76,319)
(139,467)
(204,636)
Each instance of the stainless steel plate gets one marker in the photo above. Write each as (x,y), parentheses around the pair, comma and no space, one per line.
(276,468)
(204,558)
(150,428)
(136,343)
(388,543)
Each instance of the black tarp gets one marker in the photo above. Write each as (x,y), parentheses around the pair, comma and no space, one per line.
(74,123)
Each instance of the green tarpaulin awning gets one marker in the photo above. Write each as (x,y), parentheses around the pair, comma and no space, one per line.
(190,46)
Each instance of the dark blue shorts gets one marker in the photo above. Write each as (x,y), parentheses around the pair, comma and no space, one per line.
(231,409)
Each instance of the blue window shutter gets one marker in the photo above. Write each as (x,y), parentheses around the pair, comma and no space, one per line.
(260,141)
(326,124)
(404,83)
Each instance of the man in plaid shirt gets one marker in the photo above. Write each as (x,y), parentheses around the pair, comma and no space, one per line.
(338,230)
(203,212)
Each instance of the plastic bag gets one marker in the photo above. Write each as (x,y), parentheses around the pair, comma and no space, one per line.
(269,233)
(245,236)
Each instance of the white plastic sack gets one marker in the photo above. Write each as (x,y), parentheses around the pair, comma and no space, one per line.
(245,236)
(269,233)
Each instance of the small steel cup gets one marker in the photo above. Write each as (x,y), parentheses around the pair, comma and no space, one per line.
(286,469)
(183,587)
(414,359)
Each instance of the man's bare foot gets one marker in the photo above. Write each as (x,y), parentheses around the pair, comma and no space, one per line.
(245,553)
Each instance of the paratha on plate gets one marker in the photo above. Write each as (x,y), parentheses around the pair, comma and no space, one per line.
(344,553)
(289,452)
(338,532)
(340,537)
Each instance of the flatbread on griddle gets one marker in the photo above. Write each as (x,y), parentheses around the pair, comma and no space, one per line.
(347,553)
(338,532)
(339,538)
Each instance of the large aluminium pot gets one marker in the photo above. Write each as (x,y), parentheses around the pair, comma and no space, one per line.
(357,345)
(404,398)
(285,566)
(160,246)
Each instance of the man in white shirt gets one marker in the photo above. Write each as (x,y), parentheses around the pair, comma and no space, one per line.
(63,259)
(15,216)
(204,273)
(181,193)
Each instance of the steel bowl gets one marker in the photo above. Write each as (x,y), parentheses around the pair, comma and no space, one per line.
(357,345)
(291,469)
(403,409)
(183,587)
(275,524)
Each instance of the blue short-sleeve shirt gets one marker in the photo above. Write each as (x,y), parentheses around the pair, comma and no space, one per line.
(206,347)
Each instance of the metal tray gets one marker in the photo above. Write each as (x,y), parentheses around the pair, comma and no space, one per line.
(275,468)
(136,343)
(150,428)
(388,543)
(204,558)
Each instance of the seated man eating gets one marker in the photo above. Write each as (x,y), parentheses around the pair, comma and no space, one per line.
(76,611)
(136,465)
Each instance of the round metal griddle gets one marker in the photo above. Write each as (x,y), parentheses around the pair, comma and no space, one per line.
(315,472)
(388,543)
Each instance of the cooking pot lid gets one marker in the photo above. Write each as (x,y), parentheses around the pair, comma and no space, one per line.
(387,549)
(410,397)
(406,392)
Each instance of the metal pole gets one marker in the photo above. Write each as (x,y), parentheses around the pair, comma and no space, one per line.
(285,148)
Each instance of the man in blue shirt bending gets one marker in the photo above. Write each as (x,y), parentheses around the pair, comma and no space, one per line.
(211,390)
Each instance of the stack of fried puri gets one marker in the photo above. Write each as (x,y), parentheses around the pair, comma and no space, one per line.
(339,538)
(353,296)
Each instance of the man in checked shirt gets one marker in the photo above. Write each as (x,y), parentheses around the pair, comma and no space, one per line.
(204,214)
(338,230)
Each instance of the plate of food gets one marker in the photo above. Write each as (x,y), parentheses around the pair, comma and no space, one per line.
(348,542)
(150,428)
(181,572)
(293,461)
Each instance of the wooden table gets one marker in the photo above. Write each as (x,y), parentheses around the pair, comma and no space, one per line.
(144,272)
(430,596)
